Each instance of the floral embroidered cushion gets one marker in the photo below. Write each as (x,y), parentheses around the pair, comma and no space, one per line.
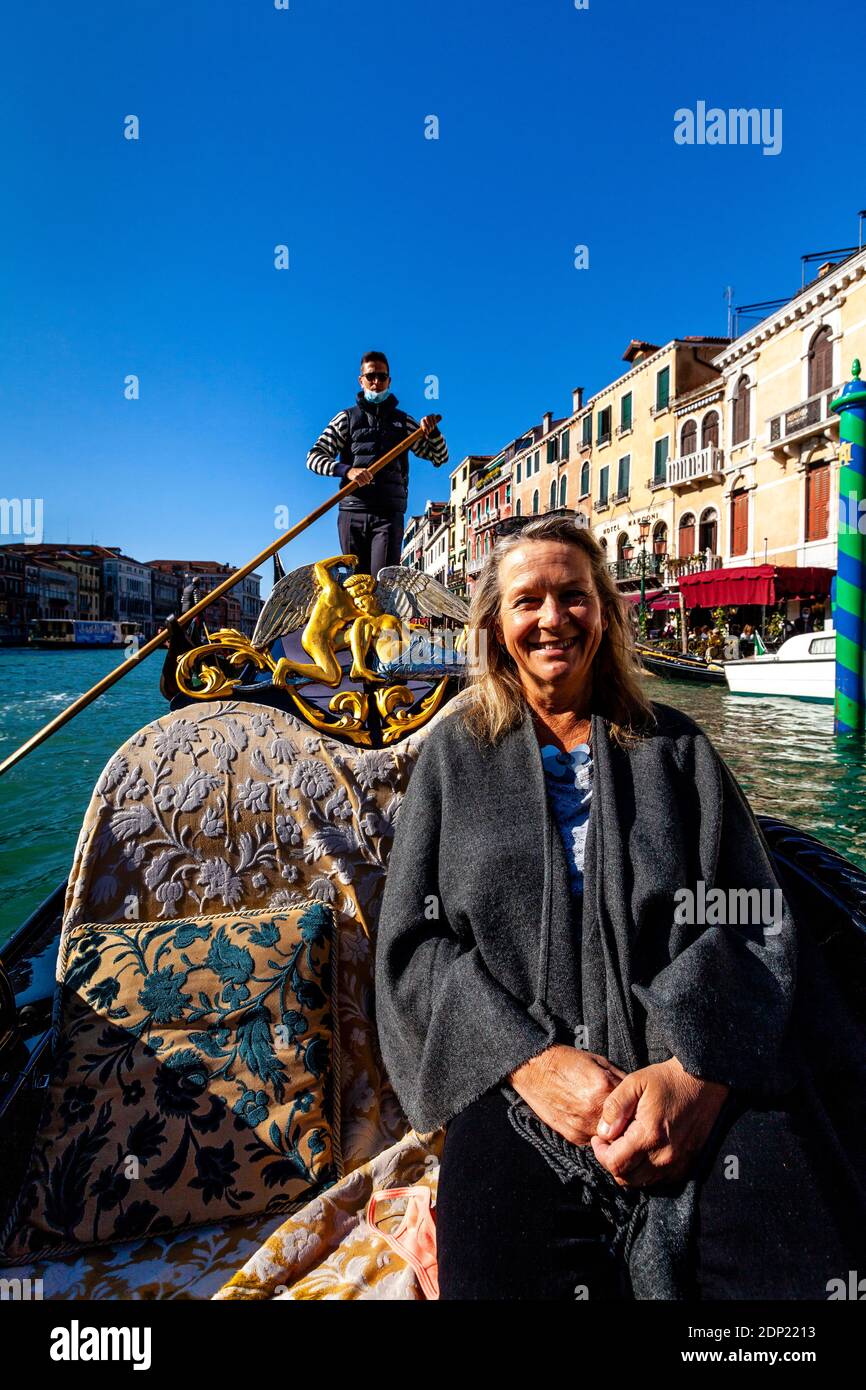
(191,1080)
(226,804)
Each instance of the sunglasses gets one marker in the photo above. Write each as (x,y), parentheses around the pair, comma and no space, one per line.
(376,376)
(510,524)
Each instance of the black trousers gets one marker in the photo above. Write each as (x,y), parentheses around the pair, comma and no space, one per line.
(508,1228)
(376,540)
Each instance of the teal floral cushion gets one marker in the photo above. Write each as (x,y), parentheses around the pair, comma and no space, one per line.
(191,1078)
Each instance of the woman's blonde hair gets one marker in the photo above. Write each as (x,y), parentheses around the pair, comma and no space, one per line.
(494,701)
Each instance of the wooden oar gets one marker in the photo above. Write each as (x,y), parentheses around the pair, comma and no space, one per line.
(161,637)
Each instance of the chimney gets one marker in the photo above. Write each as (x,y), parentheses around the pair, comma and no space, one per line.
(822,269)
(576,399)
(546,421)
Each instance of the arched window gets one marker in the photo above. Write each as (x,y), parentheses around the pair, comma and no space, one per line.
(660,538)
(710,430)
(622,541)
(518,510)
(535,501)
(584,480)
(552,502)
(686,539)
(708,531)
(562,490)
(740,430)
(689,438)
(820,362)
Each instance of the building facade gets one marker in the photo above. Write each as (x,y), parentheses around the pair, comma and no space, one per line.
(126,591)
(458,547)
(238,609)
(779,497)
(13,598)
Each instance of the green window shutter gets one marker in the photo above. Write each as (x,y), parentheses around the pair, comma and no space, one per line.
(587,428)
(663,388)
(625,412)
(551,451)
(602,484)
(661,459)
(563,445)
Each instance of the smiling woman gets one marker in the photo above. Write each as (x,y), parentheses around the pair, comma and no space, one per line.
(594,1058)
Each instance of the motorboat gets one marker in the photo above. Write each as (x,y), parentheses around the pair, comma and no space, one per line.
(803,668)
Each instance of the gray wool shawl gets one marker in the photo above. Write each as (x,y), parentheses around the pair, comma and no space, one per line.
(481,965)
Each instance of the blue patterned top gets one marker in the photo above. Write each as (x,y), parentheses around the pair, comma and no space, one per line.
(569,789)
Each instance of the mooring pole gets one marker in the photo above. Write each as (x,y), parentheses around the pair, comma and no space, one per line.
(850,612)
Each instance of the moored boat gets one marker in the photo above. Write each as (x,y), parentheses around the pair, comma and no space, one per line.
(680,666)
(804,668)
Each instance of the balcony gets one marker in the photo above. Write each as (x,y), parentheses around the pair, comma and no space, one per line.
(621,496)
(690,564)
(475,566)
(653,484)
(630,569)
(601,505)
(812,416)
(692,468)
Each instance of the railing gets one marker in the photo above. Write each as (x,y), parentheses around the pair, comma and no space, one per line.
(653,484)
(601,505)
(815,410)
(691,564)
(603,438)
(631,569)
(475,566)
(704,463)
(621,496)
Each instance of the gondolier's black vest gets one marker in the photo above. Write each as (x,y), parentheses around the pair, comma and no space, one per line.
(374,428)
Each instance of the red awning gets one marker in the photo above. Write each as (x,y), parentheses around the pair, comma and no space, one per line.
(757,584)
(666,601)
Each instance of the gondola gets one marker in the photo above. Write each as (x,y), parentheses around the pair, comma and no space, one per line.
(680,666)
(243,838)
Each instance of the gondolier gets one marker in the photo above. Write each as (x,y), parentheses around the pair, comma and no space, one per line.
(370,520)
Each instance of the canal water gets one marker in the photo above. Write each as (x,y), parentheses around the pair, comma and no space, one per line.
(782,751)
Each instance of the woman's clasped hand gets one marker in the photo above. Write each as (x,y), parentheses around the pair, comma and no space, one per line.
(645,1127)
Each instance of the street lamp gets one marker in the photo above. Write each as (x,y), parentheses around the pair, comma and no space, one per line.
(644,526)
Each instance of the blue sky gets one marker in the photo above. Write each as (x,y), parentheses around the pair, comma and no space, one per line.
(306,127)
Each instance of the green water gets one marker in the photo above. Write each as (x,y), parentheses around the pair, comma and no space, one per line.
(782,751)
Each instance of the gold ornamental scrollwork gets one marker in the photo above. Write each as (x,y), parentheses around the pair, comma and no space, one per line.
(214,684)
(372,619)
(394,703)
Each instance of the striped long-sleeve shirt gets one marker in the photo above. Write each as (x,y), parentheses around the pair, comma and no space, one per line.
(324,457)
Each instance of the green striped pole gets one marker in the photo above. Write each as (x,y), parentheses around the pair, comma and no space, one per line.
(850,612)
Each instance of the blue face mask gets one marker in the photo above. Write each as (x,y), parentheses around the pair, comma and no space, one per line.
(376,395)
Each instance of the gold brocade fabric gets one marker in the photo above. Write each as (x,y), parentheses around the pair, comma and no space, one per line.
(224,807)
(328,1251)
